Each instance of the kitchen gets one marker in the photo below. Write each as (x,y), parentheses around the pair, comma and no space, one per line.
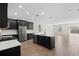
(39,29)
(16,30)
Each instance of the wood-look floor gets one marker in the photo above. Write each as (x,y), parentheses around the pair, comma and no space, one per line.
(63,47)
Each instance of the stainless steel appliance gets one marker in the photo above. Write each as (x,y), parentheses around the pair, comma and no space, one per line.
(22,33)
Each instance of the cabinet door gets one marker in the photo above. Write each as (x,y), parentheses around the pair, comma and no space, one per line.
(12,24)
(3,15)
(26,23)
(29,25)
(22,23)
(44,41)
(29,36)
(48,42)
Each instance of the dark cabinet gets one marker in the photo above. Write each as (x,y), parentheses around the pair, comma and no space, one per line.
(29,25)
(29,36)
(45,41)
(3,15)
(12,24)
(48,42)
(26,23)
(22,23)
(15,51)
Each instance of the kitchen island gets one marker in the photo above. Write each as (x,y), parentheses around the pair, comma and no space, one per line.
(44,40)
(10,48)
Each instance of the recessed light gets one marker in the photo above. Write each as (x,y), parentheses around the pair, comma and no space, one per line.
(15,13)
(32,18)
(42,13)
(20,6)
(27,13)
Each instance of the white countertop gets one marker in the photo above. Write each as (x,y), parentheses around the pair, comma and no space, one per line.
(45,35)
(6,36)
(9,44)
(8,32)
(30,31)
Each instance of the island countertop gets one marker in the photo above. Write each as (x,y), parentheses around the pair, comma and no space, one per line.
(47,41)
(9,44)
(44,35)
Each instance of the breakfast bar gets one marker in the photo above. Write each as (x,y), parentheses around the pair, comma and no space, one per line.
(45,40)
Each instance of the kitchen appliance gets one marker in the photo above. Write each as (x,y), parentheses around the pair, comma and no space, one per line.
(22,33)
(6,37)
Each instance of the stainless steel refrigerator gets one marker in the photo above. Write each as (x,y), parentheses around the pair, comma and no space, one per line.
(22,33)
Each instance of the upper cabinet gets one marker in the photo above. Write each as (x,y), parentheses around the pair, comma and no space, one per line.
(26,23)
(12,24)
(29,25)
(22,23)
(3,15)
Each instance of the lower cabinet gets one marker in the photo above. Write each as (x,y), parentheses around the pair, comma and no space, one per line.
(45,41)
(11,52)
(29,36)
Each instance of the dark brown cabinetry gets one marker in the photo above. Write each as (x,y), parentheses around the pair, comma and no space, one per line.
(25,23)
(48,42)
(12,24)
(15,51)
(29,36)
(29,25)
(3,15)
(22,23)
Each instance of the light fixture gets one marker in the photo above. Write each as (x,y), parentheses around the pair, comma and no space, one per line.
(27,13)
(32,18)
(15,13)
(20,6)
(42,13)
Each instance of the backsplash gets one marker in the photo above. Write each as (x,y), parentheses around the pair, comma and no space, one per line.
(30,31)
(10,32)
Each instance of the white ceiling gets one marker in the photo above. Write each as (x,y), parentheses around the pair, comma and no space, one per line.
(44,12)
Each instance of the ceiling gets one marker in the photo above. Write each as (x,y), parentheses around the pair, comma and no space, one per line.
(44,12)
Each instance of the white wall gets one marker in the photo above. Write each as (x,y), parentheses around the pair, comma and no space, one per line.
(47,29)
(65,29)
(50,30)
(64,33)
